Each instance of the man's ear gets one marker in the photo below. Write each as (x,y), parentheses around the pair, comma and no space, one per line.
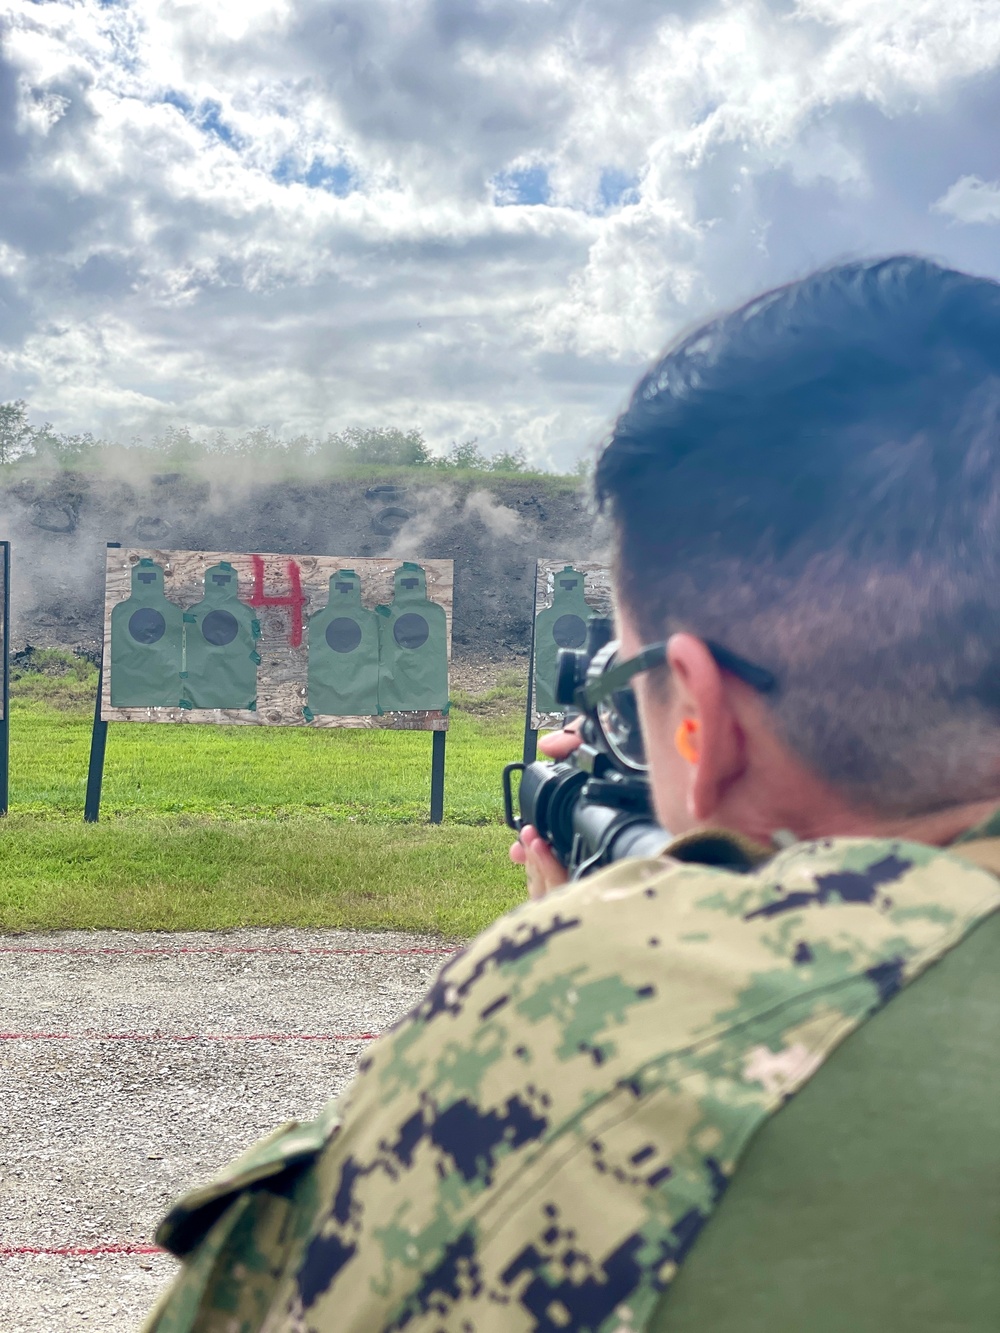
(703,696)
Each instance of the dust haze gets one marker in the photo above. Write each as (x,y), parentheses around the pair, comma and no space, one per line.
(59,523)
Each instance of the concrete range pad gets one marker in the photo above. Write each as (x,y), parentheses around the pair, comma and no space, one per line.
(127,1075)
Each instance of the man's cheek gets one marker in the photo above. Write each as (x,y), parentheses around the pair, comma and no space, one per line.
(669,774)
(670,778)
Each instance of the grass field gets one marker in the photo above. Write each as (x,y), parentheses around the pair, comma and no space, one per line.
(207,827)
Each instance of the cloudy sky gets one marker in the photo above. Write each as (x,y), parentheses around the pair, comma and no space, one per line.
(479,217)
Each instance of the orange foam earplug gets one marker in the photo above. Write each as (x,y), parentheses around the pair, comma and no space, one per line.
(686,740)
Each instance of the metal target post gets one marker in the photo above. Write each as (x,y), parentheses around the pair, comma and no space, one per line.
(530,749)
(437,775)
(5,687)
(98,741)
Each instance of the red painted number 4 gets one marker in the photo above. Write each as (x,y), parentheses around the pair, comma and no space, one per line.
(293,599)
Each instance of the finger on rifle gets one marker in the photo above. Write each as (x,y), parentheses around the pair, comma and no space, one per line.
(544,871)
(519,851)
(559,744)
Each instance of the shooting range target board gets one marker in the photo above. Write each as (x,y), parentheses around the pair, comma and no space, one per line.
(4,627)
(276,640)
(566,594)
(4,676)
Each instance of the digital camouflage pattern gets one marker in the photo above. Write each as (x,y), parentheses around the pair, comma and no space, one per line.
(538,1144)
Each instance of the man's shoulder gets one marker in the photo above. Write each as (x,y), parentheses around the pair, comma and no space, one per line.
(555,1120)
(630,919)
(649,964)
(659,961)
(595,1062)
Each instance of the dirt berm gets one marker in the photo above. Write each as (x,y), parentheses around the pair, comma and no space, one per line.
(493,529)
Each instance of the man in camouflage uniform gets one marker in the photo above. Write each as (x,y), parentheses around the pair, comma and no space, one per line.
(807,491)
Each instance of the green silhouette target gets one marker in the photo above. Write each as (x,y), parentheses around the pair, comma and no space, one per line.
(221,658)
(413,647)
(343,652)
(147,633)
(561,625)
(237,644)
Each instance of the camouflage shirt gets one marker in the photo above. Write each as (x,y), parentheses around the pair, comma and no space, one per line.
(539,1142)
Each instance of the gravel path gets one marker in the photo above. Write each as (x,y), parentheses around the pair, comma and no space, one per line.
(105,1115)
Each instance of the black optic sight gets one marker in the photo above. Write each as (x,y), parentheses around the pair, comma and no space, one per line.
(592,808)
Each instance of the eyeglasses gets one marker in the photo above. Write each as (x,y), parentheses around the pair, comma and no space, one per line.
(601,690)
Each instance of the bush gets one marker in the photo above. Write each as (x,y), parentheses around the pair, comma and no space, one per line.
(354,446)
(384,446)
(467,456)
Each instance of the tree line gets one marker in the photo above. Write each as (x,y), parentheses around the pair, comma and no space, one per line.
(379,446)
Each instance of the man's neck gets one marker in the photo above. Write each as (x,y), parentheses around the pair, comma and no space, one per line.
(936,830)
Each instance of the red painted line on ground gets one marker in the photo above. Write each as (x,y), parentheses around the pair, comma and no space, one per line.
(188,1036)
(7,1251)
(223,949)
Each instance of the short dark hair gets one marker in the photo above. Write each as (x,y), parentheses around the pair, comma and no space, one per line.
(812,481)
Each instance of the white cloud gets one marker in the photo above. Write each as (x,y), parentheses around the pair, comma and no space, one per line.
(477,216)
(971,200)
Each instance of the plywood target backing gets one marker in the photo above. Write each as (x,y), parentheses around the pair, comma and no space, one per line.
(276,640)
(567,592)
(4,616)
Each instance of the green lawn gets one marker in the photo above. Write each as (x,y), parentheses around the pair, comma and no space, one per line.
(207,827)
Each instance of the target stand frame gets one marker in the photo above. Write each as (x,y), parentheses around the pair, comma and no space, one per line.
(99,736)
(5,680)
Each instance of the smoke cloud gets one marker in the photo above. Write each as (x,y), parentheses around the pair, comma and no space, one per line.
(59,523)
